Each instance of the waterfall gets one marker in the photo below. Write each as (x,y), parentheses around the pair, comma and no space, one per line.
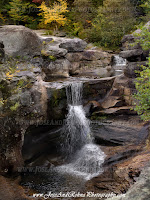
(86,158)
(77,128)
(119,61)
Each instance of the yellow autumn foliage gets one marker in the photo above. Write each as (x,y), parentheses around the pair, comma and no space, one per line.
(10,74)
(55,13)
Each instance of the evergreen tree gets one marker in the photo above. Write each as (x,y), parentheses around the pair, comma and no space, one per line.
(20,11)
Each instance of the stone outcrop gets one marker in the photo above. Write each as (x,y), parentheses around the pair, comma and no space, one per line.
(117,106)
(57,68)
(58,57)
(80,61)
(119,130)
(23,99)
(20,41)
(132,67)
(140,190)
(75,45)
(117,101)
(124,139)
(134,53)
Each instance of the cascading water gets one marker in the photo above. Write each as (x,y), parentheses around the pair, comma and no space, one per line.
(119,64)
(87,157)
(77,128)
(119,61)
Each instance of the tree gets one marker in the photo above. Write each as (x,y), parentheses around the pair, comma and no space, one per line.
(54,13)
(115,18)
(20,11)
(83,12)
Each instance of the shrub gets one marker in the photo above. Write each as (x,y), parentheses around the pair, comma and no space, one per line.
(142,84)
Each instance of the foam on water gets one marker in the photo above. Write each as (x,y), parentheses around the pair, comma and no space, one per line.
(86,164)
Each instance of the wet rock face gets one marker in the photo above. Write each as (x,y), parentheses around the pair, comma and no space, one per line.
(20,41)
(97,89)
(123,139)
(108,181)
(113,99)
(41,143)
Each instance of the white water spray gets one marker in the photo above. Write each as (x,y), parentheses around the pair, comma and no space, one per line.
(86,157)
(77,129)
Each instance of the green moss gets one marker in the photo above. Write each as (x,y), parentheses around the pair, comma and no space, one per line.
(15,107)
(57,96)
(52,58)
(96,117)
(48,32)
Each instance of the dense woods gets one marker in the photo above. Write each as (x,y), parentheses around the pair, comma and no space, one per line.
(103,22)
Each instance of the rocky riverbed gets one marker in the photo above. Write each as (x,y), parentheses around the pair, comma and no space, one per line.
(34,73)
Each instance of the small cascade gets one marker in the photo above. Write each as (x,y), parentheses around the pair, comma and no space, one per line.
(119,64)
(86,157)
(119,61)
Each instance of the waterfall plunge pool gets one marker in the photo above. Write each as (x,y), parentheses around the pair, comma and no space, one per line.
(84,158)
